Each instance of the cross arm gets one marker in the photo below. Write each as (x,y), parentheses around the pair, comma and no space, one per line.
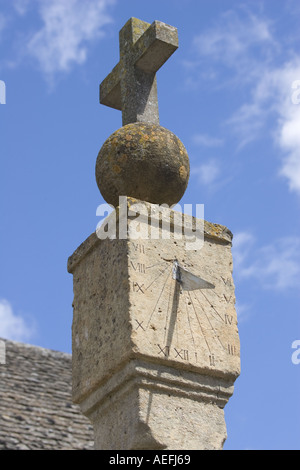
(148,53)
(110,89)
(155,46)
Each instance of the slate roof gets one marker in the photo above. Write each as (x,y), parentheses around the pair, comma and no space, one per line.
(36,409)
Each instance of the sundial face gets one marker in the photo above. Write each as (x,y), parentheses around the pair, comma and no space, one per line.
(183,304)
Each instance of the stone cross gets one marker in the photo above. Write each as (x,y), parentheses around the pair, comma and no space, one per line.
(155,345)
(131,86)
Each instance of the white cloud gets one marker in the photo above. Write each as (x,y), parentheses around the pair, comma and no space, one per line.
(247,46)
(272,96)
(243,311)
(241,247)
(275,266)
(21,6)
(207,173)
(289,134)
(278,266)
(232,35)
(13,326)
(67,28)
(236,40)
(207,141)
(246,123)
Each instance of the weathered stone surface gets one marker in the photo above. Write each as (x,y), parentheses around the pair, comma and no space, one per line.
(147,352)
(131,86)
(144,161)
(101,326)
(159,408)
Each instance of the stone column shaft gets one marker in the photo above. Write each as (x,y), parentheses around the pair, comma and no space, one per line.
(154,359)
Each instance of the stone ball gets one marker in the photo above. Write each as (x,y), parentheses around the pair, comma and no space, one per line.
(143,161)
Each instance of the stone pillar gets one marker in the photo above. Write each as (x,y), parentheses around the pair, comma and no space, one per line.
(155,338)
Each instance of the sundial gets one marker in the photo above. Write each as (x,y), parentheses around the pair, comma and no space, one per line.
(183,306)
(155,345)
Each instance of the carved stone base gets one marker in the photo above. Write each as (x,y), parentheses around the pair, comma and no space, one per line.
(149,406)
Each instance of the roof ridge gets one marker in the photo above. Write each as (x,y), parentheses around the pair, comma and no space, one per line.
(43,350)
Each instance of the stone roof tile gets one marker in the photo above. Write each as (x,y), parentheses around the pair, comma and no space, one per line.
(36,409)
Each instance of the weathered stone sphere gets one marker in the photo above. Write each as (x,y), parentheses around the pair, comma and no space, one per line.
(143,161)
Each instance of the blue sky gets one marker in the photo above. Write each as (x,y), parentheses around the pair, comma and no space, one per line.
(231,93)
